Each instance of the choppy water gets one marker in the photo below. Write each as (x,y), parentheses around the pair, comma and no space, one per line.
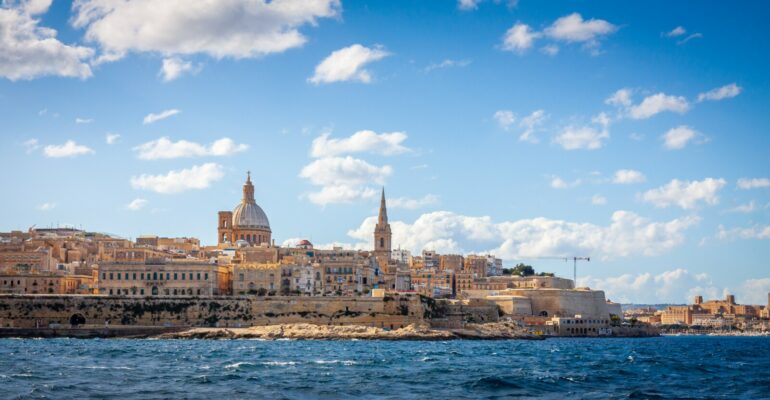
(668,367)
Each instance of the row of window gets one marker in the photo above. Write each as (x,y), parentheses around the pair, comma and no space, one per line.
(167,292)
(586,321)
(155,276)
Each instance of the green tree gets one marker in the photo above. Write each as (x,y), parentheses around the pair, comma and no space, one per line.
(523,270)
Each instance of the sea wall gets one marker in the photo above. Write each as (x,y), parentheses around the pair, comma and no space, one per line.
(42,311)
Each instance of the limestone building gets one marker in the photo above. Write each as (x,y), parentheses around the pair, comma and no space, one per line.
(247,221)
(164,278)
(382,235)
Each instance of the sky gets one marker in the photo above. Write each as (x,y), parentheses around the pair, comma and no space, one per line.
(634,133)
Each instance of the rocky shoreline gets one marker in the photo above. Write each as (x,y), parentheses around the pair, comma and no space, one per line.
(488,331)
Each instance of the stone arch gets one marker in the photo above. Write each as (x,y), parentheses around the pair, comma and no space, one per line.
(543,313)
(77,319)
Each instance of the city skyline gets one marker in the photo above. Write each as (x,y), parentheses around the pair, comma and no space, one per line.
(581,129)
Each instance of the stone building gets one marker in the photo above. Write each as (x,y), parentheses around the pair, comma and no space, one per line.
(45,283)
(256,279)
(163,277)
(382,236)
(247,221)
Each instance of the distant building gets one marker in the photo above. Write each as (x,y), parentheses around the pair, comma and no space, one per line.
(247,222)
(164,278)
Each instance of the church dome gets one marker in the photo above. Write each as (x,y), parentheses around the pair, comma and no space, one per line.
(248,214)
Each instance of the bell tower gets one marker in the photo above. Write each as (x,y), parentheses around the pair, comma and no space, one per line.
(382,234)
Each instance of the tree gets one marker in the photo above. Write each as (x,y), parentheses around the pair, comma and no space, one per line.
(523,270)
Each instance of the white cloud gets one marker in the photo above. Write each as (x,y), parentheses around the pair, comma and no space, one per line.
(151,118)
(572,28)
(658,103)
(676,286)
(585,137)
(467,5)
(46,206)
(747,208)
(347,64)
(677,138)
(531,123)
(598,200)
(724,92)
(365,141)
(412,204)
(685,194)
(174,67)
(68,149)
(519,38)
(628,176)
(550,49)
(621,98)
(175,181)
(753,183)
(31,145)
(230,28)
(696,35)
(136,204)
(29,51)
(164,148)
(678,31)
(111,138)
(505,118)
(448,63)
(343,180)
(754,232)
(636,136)
(558,183)
(446,232)
(754,291)
(84,120)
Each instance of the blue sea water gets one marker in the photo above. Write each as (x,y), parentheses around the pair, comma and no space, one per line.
(657,368)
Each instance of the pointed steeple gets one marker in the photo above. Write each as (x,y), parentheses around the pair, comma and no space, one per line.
(383,218)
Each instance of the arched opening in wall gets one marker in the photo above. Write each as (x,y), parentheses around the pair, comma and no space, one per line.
(543,313)
(50,290)
(154,290)
(382,242)
(77,319)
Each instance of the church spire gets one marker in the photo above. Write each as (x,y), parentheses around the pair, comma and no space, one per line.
(383,218)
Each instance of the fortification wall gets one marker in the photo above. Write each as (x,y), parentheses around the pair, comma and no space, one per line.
(45,310)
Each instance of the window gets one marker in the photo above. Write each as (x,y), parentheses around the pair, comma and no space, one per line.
(182,275)
(382,242)
(110,275)
(199,276)
(110,291)
(134,276)
(104,276)
(206,276)
(155,276)
(175,279)
(168,276)
(142,275)
(240,277)
(142,291)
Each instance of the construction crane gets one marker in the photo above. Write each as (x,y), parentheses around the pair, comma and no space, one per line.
(574,259)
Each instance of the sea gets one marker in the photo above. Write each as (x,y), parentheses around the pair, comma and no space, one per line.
(686,367)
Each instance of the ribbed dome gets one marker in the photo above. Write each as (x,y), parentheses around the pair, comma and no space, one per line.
(249,215)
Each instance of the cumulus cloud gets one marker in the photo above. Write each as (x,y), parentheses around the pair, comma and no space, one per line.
(658,103)
(343,180)
(628,176)
(69,149)
(220,29)
(504,118)
(365,141)
(585,137)
(151,118)
(550,49)
(136,204)
(572,28)
(412,204)
(626,235)
(677,138)
(747,208)
(467,5)
(724,92)
(753,183)
(28,50)
(111,138)
(685,194)
(347,64)
(621,98)
(174,67)
(164,148)
(176,181)
(519,38)
(46,206)
(676,286)
(558,183)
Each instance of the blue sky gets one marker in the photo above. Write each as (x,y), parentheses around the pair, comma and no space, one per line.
(529,129)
